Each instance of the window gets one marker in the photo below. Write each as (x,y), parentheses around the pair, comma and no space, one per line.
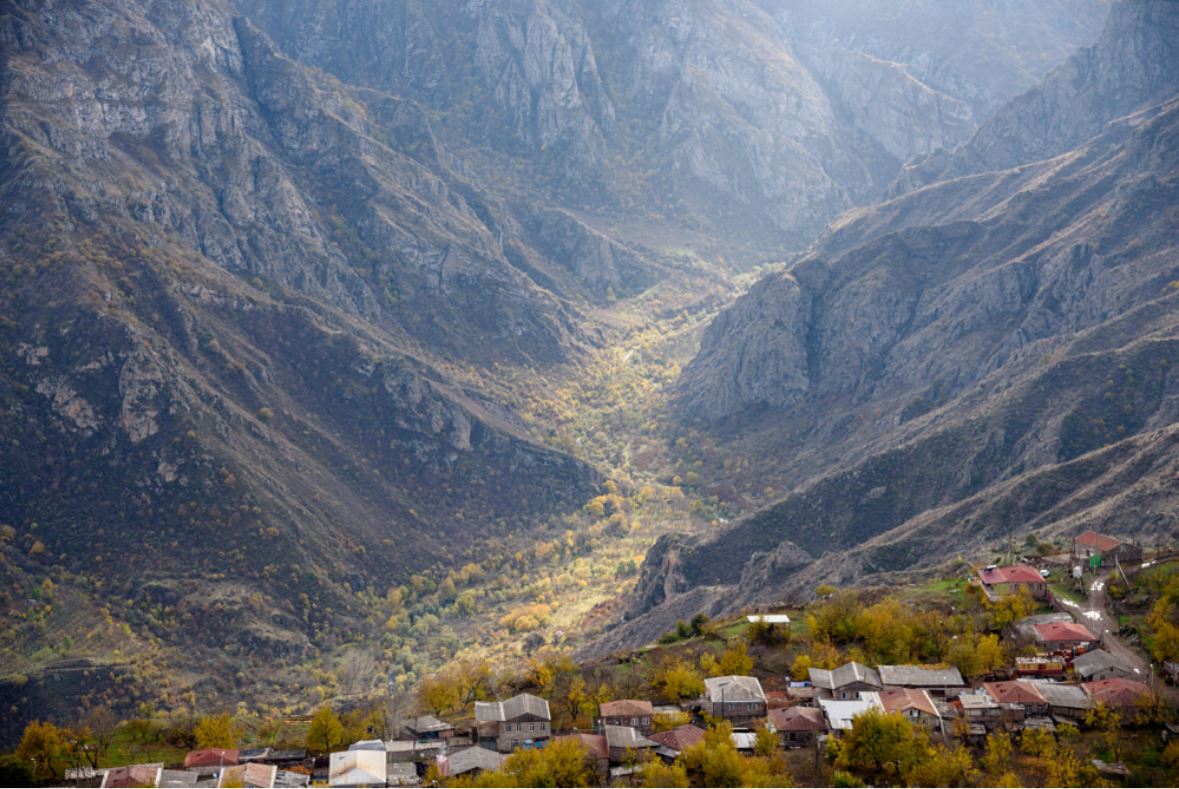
(532,727)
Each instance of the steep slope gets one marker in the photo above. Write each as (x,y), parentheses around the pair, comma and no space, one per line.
(985,354)
(1134,64)
(720,115)
(224,283)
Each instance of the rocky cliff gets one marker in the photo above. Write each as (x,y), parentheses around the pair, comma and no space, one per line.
(987,353)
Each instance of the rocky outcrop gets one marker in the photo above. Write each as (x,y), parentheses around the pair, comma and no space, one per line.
(1134,65)
(741,116)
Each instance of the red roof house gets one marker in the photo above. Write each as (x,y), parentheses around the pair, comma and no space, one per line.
(1063,635)
(1012,579)
(627,712)
(680,738)
(1117,693)
(913,703)
(797,726)
(1018,691)
(211,757)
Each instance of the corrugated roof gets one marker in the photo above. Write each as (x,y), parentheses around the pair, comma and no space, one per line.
(1012,574)
(679,738)
(473,758)
(626,737)
(1116,692)
(843,676)
(798,719)
(901,699)
(625,708)
(1059,694)
(211,757)
(839,713)
(1098,542)
(515,707)
(1094,662)
(1063,631)
(921,676)
(733,688)
(1016,691)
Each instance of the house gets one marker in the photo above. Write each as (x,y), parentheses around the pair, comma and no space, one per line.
(846,682)
(1000,581)
(979,710)
(839,712)
(627,712)
(1118,694)
(1018,692)
(1040,666)
(598,748)
(942,682)
(250,775)
(1064,637)
(211,758)
(134,775)
(469,760)
(797,727)
(361,767)
(739,699)
(670,743)
(1100,664)
(1064,701)
(427,727)
(914,703)
(1110,549)
(521,721)
(625,744)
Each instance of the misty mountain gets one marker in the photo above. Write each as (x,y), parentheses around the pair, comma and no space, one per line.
(987,353)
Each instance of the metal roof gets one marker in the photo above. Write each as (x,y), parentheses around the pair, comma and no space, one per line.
(733,688)
(921,677)
(473,758)
(1059,694)
(845,675)
(515,707)
(1097,661)
(769,619)
(626,737)
(839,714)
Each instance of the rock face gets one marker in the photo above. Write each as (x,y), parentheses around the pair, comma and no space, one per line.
(986,352)
(1135,63)
(742,116)
(229,280)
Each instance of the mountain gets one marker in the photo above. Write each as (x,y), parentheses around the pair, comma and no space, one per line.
(1135,63)
(733,116)
(273,274)
(987,353)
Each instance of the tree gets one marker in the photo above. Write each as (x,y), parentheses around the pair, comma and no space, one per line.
(438,693)
(942,766)
(1035,742)
(42,745)
(216,731)
(656,774)
(678,680)
(714,760)
(997,755)
(766,743)
(882,746)
(100,724)
(1011,608)
(563,762)
(325,732)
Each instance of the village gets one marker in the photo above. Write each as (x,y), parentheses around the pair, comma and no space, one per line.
(1064,669)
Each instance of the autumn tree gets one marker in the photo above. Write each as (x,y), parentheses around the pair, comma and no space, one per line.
(100,725)
(43,746)
(678,680)
(216,731)
(656,775)
(882,747)
(714,760)
(942,766)
(438,693)
(565,761)
(326,731)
